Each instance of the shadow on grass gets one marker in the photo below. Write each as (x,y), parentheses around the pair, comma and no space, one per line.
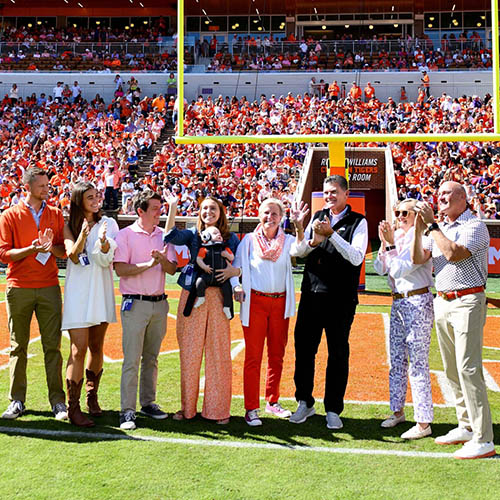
(42,425)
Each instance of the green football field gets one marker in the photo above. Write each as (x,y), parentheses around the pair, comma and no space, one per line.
(42,458)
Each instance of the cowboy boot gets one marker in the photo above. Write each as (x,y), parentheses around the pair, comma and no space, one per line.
(91,386)
(75,414)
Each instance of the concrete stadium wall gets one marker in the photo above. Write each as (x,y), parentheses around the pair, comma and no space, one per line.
(251,85)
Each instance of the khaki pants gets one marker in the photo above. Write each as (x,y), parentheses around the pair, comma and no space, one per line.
(459,325)
(46,304)
(144,328)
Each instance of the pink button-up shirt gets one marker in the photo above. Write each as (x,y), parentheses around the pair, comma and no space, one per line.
(134,247)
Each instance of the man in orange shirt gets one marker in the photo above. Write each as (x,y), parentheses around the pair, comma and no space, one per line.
(31,237)
(334,90)
(426,83)
(369,92)
(159,103)
(355,92)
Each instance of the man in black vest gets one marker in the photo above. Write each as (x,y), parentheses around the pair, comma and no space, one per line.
(335,243)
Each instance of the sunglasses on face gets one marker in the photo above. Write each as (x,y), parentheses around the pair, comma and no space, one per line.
(402,213)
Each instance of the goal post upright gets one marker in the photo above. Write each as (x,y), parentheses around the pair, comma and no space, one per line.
(495,65)
(180,67)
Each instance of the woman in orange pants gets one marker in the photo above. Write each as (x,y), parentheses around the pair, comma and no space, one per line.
(206,328)
(269,302)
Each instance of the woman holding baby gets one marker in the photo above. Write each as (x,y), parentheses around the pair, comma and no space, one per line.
(89,301)
(203,329)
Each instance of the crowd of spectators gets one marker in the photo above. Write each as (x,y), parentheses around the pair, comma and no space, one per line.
(346,54)
(348,60)
(78,140)
(27,35)
(139,48)
(103,59)
(245,174)
(343,53)
(100,49)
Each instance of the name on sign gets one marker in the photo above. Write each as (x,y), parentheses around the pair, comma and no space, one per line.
(362,162)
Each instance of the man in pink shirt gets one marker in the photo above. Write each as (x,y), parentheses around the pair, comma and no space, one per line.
(141,261)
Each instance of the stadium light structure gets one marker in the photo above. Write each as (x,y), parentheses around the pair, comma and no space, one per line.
(337,142)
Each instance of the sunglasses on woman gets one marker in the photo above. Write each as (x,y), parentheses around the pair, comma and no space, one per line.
(403,213)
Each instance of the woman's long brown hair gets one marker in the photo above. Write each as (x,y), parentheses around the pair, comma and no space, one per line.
(221,224)
(76,214)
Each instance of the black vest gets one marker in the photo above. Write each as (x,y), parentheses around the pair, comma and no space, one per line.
(326,271)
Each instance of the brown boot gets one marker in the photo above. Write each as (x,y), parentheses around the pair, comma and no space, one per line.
(75,414)
(91,387)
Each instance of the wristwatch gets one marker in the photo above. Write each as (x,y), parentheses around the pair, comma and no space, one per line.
(388,248)
(432,227)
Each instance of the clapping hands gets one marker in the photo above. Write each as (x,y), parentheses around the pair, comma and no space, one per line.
(322,227)
(386,233)
(43,244)
(102,232)
(103,238)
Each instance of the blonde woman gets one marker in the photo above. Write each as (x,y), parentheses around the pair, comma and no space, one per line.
(412,315)
(267,306)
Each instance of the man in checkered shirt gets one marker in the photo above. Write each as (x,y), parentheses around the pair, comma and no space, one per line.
(459,250)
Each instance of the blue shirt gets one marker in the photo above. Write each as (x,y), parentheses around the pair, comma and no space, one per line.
(37,215)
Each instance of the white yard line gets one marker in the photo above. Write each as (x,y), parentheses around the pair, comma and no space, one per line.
(444,385)
(490,381)
(353,402)
(222,443)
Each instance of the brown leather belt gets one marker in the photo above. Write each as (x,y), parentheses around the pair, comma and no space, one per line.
(418,291)
(454,294)
(278,295)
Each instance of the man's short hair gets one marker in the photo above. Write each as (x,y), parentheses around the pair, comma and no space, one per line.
(31,173)
(141,200)
(337,179)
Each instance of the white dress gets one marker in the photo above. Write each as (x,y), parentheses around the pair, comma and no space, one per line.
(89,296)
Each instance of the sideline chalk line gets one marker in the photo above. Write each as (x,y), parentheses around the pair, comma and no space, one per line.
(225,444)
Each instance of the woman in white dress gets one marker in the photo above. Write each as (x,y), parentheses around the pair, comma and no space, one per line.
(89,301)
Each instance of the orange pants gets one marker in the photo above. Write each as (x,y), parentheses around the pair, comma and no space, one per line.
(266,321)
(207,330)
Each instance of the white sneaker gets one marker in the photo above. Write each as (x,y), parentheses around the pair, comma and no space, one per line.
(227,312)
(473,449)
(302,413)
(416,432)
(252,418)
(127,420)
(458,435)
(333,420)
(392,421)
(14,410)
(199,301)
(277,410)
(60,411)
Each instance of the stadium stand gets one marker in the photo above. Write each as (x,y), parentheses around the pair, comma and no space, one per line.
(81,139)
